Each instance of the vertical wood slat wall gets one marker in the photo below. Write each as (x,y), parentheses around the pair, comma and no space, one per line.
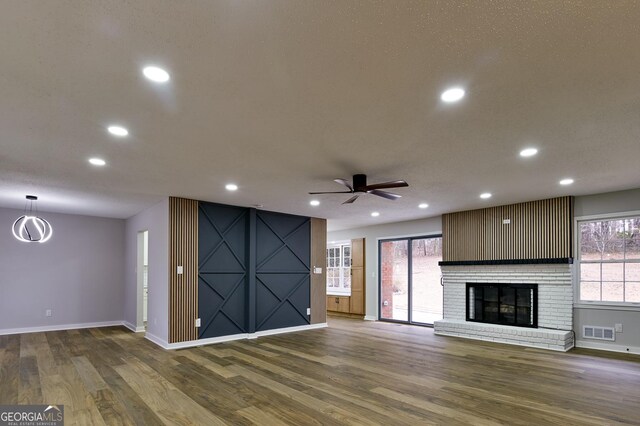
(538,230)
(183,251)
(318,292)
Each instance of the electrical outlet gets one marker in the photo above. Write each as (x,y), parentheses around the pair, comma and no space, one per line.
(180,270)
(308,311)
(198,322)
(48,313)
(506,221)
(618,328)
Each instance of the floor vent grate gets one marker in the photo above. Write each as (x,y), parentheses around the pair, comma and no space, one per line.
(598,333)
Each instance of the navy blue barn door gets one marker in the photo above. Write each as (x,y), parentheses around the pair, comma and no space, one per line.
(282,270)
(222,276)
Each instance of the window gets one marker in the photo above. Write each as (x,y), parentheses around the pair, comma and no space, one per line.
(609,260)
(339,269)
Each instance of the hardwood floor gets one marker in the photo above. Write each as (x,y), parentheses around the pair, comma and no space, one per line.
(354,372)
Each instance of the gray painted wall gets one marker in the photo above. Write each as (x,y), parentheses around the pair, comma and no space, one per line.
(78,273)
(372,234)
(607,203)
(603,204)
(155,220)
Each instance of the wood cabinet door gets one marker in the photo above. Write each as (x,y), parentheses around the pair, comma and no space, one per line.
(356,302)
(332,305)
(343,304)
(357,253)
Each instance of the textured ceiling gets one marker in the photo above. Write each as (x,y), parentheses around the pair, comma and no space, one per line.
(281,97)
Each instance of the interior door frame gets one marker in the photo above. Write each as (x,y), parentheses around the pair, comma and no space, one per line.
(409,240)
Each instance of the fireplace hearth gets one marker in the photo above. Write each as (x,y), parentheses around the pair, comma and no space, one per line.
(551,325)
(503,304)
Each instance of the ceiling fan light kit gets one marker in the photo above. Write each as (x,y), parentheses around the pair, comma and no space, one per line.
(359,186)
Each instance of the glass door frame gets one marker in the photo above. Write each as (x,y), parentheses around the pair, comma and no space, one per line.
(410,278)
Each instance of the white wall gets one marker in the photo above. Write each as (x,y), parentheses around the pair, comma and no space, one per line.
(155,220)
(602,204)
(372,234)
(78,273)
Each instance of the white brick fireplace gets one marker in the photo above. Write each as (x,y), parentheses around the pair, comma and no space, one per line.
(555,304)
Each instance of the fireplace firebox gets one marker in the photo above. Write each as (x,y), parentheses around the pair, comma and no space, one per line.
(503,303)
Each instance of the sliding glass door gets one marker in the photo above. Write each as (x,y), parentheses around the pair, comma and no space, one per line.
(394,280)
(410,289)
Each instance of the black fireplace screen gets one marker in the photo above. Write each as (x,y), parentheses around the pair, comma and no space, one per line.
(506,304)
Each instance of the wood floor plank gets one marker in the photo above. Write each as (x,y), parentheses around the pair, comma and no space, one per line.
(92,380)
(352,396)
(454,415)
(166,400)
(30,387)
(260,417)
(10,370)
(208,364)
(306,400)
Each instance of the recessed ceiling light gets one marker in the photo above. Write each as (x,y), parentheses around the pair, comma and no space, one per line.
(453,94)
(314,202)
(97,161)
(118,131)
(567,181)
(423,205)
(155,74)
(528,152)
(485,195)
(375,214)
(231,187)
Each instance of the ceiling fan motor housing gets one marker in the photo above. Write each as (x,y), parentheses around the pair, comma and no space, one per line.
(359,183)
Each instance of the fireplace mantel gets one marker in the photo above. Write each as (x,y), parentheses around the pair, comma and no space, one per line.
(551,261)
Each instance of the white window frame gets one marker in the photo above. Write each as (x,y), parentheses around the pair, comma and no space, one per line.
(344,270)
(596,304)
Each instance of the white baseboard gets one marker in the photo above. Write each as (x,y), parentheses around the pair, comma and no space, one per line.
(608,347)
(289,329)
(242,336)
(158,341)
(209,341)
(60,327)
(133,327)
(370,318)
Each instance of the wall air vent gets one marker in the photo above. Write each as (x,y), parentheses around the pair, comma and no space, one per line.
(598,333)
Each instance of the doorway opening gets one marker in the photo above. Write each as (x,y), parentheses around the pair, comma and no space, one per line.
(410,280)
(142,268)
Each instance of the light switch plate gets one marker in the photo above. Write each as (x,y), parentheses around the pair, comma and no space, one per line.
(198,322)
(180,270)
(308,311)
(317,270)
(506,221)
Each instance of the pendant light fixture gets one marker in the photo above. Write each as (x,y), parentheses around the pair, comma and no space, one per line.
(31,228)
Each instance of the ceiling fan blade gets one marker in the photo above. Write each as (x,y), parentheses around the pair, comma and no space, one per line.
(345,183)
(331,192)
(387,185)
(384,194)
(351,200)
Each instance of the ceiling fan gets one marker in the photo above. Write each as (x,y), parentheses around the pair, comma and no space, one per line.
(360,187)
